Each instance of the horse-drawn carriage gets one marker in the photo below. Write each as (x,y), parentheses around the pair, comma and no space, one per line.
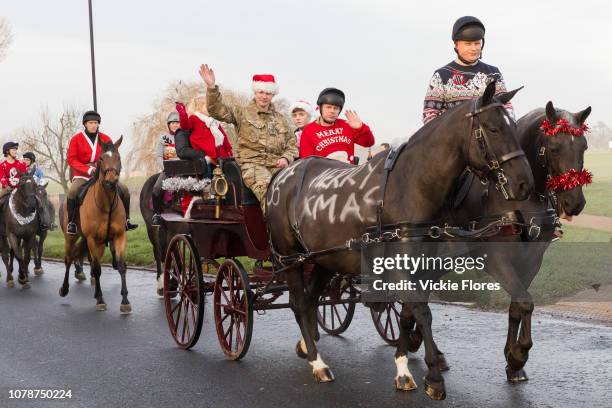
(228,223)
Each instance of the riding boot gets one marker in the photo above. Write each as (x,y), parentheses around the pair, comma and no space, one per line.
(157,200)
(125,199)
(71,207)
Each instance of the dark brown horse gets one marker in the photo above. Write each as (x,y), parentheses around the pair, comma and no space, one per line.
(316,204)
(101,221)
(515,266)
(20,222)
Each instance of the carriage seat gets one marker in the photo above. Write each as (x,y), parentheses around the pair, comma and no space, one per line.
(233,175)
(179,168)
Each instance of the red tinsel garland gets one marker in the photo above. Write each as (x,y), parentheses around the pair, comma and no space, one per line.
(569,180)
(563,126)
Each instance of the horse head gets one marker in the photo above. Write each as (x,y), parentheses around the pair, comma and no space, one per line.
(494,151)
(563,150)
(109,164)
(26,188)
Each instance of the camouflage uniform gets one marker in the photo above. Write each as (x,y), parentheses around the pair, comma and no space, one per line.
(263,138)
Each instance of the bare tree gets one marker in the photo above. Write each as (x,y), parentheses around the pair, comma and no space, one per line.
(149,128)
(50,143)
(6,37)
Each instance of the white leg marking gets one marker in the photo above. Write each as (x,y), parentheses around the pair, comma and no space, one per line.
(319,364)
(402,367)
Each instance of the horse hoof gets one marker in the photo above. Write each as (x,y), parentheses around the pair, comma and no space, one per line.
(515,376)
(92,281)
(26,285)
(80,276)
(442,364)
(63,291)
(10,284)
(38,271)
(323,375)
(434,390)
(405,383)
(298,350)
(125,309)
(101,307)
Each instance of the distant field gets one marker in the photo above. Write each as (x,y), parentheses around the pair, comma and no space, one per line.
(599,194)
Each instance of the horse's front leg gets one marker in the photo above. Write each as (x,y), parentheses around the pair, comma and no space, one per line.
(38,252)
(434,382)
(404,381)
(17,249)
(120,244)
(69,245)
(96,251)
(299,305)
(517,350)
(6,259)
(27,256)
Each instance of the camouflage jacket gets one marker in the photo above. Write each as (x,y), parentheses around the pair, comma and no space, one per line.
(263,137)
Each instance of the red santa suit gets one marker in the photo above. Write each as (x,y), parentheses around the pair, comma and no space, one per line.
(207,134)
(9,173)
(83,154)
(336,141)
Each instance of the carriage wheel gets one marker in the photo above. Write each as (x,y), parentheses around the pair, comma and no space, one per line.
(233,309)
(335,319)
(387,322)
(183,277)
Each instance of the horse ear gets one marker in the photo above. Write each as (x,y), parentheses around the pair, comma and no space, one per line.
(583,115)
(488,94)
(551,112)
(118,142)
(507,96)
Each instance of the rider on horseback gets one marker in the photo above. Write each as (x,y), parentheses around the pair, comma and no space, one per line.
(83,153)
(30,160)
(329,136)
(10,169)
(467,76)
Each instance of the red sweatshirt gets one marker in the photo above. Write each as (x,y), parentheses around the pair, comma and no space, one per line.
(9,172)
(337,141)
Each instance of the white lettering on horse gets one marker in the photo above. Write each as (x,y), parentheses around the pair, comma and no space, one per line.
(279,180)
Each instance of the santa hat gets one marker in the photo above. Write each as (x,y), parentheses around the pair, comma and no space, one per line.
(303,105)
(264,82)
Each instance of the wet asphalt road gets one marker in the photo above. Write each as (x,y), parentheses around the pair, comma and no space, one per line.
(109,360)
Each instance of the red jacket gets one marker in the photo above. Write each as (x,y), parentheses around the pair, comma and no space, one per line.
(9,173)
(337,141)
(83,155)
(202,138)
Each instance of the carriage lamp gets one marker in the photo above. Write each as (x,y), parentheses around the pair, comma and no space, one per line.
(218,189)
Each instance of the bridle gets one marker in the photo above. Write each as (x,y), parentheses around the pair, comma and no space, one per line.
(494,163)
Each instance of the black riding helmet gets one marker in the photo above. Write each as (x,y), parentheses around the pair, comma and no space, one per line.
(30,155)
(468,28)
(92,115)
(8,146)
(331,96)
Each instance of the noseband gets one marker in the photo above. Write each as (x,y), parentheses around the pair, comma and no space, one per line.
(494,163)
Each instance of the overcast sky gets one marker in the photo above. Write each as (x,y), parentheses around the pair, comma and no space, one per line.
(381,53)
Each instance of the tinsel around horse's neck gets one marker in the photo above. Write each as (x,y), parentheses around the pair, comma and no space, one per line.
(428,167)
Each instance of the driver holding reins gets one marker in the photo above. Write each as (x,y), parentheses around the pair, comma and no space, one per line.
(83,153)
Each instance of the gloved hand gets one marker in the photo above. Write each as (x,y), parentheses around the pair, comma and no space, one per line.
(180,108)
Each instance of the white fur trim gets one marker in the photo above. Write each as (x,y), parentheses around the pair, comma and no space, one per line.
(190,206)
(173,184)
(213,125)
(270,87)
(303,105)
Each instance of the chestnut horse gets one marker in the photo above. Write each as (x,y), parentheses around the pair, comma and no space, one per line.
(101,221)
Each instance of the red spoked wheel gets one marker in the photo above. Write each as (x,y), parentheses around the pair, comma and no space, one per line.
(233,309)
(387,321)
(183,277)
(335,318)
